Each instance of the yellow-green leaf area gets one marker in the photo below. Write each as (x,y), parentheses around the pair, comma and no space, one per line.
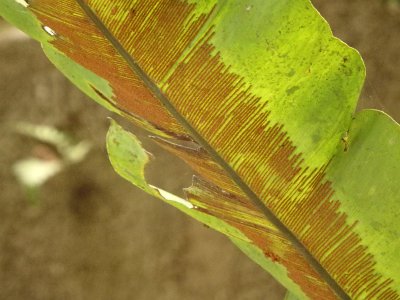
(286,53)
(16,13)
(366,180)
(290,296)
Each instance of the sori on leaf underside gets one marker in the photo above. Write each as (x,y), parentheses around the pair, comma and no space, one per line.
(259,98)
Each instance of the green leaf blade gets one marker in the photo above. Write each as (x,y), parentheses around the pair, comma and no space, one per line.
(270,104)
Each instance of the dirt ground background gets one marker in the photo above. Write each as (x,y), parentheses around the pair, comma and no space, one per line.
(94,236)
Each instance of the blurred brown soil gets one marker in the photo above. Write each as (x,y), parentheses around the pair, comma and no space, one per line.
(94,236)
(373,28)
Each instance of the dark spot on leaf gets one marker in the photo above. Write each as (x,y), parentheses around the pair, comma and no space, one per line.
(316,138)
(291,73)
(272,256)
(114,10)
(347,71)
(115,141)
(101,95)
(292,90)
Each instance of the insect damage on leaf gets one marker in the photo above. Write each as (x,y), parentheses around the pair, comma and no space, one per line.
(181,68)
(49,30)
(22,2)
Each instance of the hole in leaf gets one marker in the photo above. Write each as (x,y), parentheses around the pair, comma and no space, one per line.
(24,3)
(49,30)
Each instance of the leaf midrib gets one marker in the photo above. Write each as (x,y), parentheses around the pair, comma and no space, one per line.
(213,153)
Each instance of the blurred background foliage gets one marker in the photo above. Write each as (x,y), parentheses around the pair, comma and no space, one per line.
(91,235)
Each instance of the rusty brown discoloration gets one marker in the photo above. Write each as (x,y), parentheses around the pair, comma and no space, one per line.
(239,122)
(79,39)
(252,223)
(202,163)
(220,105)
(161,30)
(228,203)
